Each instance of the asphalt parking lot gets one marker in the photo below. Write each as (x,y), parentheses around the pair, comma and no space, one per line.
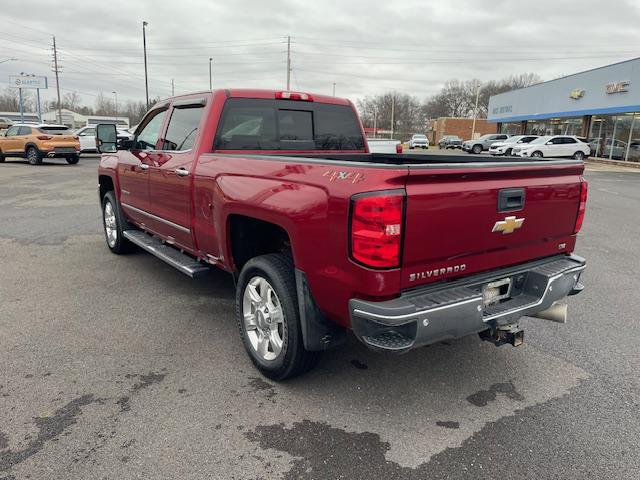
(117,367)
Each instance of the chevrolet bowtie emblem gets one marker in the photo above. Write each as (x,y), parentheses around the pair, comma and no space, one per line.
(508,225)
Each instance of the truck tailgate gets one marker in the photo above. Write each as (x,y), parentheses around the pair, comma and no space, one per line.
(455,225)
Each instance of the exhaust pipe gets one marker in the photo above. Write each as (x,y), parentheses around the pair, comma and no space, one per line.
(555,313)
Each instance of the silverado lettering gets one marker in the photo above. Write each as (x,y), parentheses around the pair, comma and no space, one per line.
(270,187)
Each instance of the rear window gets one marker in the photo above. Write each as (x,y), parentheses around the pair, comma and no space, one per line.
(55,130)
(262,124)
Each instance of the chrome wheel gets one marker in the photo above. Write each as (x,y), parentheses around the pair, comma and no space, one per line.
(110,224)
(263,318)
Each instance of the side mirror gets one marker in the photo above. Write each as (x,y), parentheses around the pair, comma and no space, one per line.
(549,143)
(106,138)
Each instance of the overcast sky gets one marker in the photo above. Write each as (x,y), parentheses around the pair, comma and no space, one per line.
(365,47)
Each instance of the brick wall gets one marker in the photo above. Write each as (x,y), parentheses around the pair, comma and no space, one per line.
(458,126)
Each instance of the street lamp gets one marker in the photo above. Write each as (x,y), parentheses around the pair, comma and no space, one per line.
(116,94)
(210,75)
(144,46)
(9,60)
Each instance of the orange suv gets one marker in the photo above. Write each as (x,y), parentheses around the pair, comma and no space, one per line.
(36,141)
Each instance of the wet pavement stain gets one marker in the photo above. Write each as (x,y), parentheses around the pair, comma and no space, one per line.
(483,397)
(146,380)
(259,385)
(322,451)
(448,424)
(359,365)
(49,430)
(4,441)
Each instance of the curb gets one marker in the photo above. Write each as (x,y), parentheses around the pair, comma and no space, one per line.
(618,163)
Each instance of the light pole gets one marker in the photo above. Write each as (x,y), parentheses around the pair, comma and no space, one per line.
(210,75)
(375,121)
(144,46)
(334,89)
(116,94)
(475,111)
(8,60)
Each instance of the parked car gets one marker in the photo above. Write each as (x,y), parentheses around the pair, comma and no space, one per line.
(87,136)
(418,140)
(483,143)
(555,146)
(37,141)
(323,237)
(382,145)
(506,147)
(450,141)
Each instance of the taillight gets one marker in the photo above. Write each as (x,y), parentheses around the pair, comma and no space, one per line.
(305,97)
(584,186)
(399,148)
(44,137)
(376,229)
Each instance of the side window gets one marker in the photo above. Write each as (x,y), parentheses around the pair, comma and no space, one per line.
(89,132)
(150,133)
(25,131)
(12,132)
(502,137)
(569,140)
(182,128)
(557,141)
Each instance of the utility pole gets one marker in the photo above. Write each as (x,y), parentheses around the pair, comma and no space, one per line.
(334,89)
(393,111)
(144,46)
(173,89)
(375,122)
(116,94)
(210,75)
(56,70)
(475,111)
(289,63)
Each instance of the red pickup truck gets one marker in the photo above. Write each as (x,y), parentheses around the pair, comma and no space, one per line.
(322,237)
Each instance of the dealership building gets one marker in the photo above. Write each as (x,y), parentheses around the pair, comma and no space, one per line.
(602,104)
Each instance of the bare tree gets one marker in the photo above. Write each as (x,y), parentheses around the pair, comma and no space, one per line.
(408,113)
(457,98)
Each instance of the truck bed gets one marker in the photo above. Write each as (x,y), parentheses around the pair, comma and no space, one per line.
(424,159)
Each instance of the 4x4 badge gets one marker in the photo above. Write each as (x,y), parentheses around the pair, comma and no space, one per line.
(508,225)
(354,177)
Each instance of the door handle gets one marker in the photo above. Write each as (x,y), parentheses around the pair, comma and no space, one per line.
(181,171)
(144,166)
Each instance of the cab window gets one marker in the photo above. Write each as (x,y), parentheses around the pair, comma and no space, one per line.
(183,127)
(25,131)
(148,137)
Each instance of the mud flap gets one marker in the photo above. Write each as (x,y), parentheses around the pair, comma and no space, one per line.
(318,333)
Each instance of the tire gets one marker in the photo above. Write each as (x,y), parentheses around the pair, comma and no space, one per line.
(114,223)
(410,147)
(508,152)
(537,154)
(34,157)
(579,155)
(274,344)
(477,149)
(2,157)
(73,159)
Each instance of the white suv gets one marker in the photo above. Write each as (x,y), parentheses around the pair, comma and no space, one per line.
(418,141)
(506,147)
(554,146)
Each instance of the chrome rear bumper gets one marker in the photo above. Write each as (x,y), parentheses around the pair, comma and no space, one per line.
(456,309)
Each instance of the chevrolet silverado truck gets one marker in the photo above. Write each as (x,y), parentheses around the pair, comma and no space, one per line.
(323,237)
